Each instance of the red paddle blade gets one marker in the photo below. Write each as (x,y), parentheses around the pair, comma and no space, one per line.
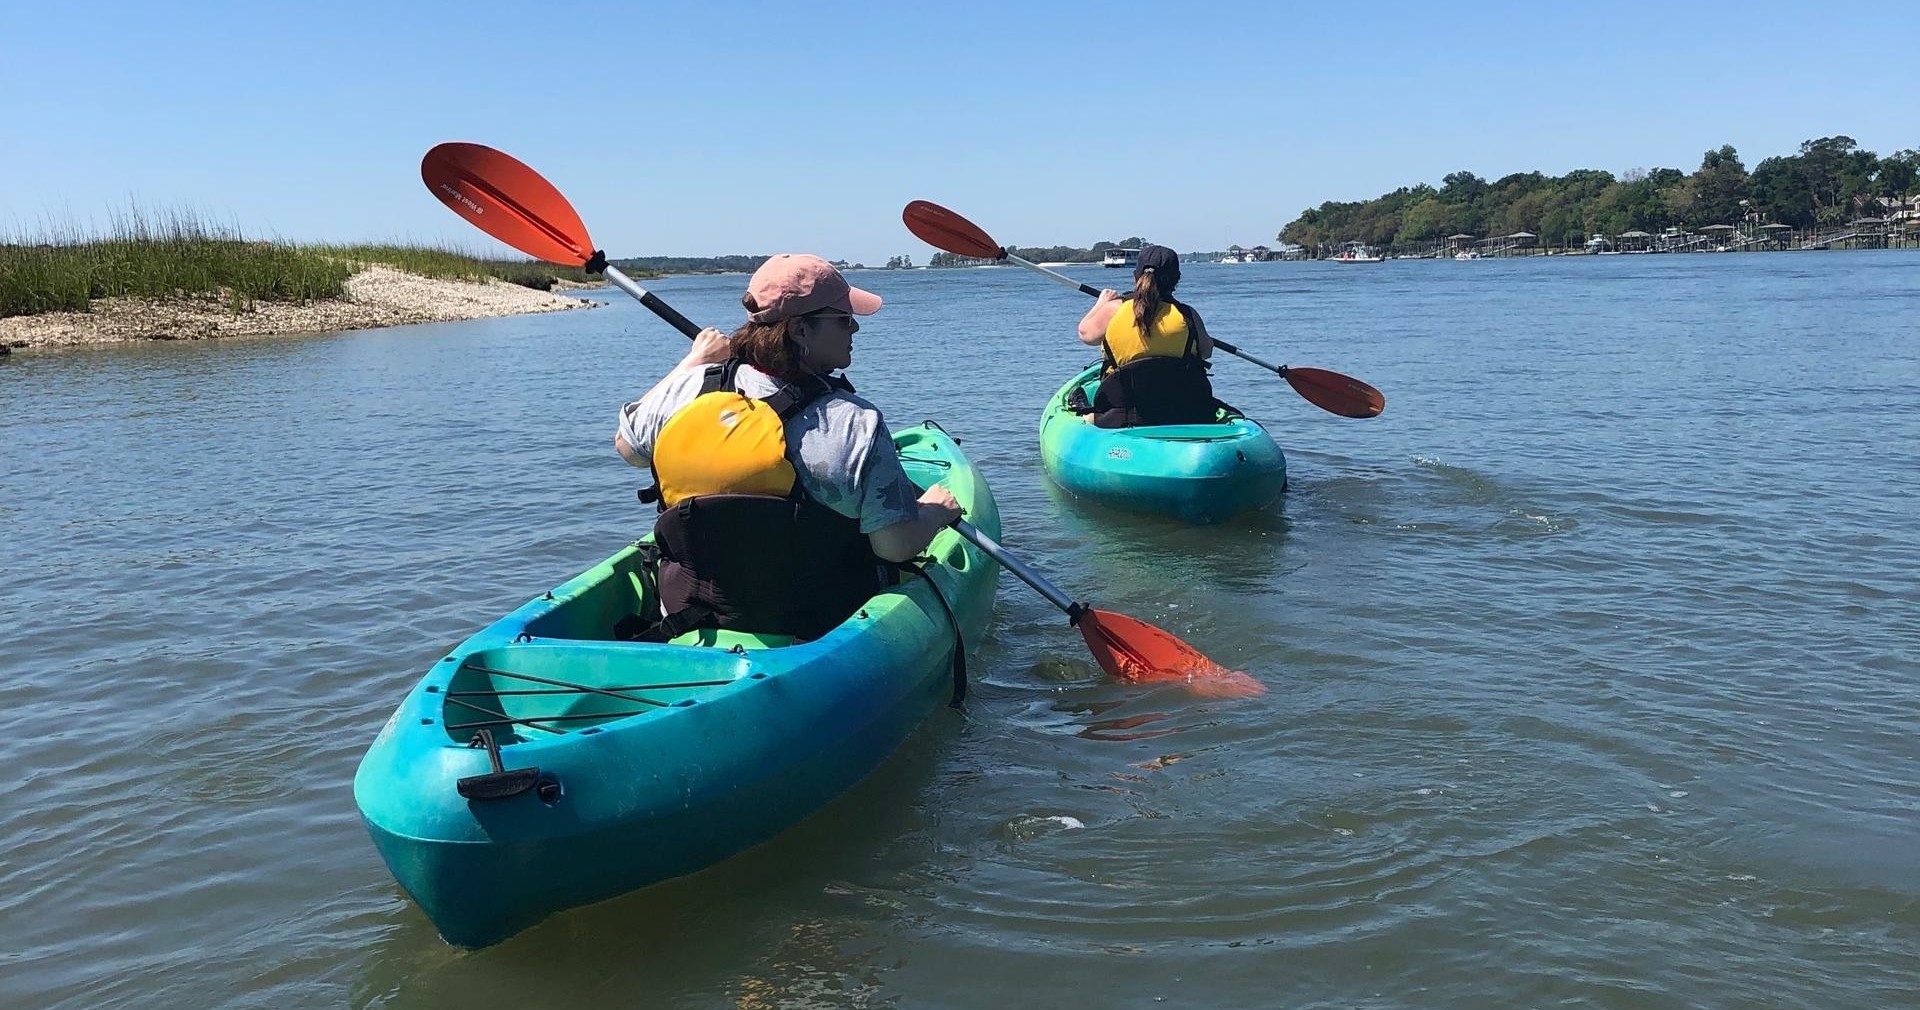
(1336,393)
(506,199)
(944,230)
(1139,653)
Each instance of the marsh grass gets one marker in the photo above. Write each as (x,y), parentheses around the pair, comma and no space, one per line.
(453,264)
(180,254)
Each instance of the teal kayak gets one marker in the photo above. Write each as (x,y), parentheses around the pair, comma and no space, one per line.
(614,764)
(1201,473)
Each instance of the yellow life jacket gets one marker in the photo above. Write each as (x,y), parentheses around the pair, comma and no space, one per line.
(1168,337)
(1158,380)
(739,543)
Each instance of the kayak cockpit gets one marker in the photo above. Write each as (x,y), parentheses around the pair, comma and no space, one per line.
(1175,432)
(531,691)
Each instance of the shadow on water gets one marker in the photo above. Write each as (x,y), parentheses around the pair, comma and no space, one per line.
(776,925)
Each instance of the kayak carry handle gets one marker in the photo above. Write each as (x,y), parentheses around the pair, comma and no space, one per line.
(499,783)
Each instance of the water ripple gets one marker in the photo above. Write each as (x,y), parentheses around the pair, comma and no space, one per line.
(1576,696)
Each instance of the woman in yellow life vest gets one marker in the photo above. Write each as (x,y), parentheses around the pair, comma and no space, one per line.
(780,489)
(1156,350)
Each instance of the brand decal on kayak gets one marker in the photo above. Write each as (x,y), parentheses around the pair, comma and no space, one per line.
(1119,453)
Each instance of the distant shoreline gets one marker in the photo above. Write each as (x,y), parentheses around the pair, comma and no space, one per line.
(374,297)
(1555,252)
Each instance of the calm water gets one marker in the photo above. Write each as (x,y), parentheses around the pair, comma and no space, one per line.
(1595,662)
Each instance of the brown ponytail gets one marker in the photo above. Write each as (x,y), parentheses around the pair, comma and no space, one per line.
(1147,302)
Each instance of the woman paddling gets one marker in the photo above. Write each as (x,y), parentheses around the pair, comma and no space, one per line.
(1156,350)
(780,490)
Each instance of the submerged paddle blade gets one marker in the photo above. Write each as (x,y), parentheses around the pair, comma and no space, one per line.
(1139,653)
(1336,393)
(504,198)
(944,230)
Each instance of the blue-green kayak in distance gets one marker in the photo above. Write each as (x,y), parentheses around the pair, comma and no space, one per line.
(654,760)
(1200,473)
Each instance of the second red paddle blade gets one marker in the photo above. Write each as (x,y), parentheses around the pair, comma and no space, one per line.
(1139,653)
(949,232)
(1336,393)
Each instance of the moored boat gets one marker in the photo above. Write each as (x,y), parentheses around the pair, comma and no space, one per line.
(543,764)
(1200,473)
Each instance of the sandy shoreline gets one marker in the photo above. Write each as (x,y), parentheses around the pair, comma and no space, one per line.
(377,296)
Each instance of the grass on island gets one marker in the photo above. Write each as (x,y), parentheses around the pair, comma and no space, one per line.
(178,255)
(452,264)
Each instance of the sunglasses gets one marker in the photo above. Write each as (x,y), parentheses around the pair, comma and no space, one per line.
(843,318)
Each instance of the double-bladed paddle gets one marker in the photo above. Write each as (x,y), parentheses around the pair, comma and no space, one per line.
(947,231)
(504,198)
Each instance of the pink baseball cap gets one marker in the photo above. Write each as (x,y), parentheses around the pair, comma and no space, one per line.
(794,284)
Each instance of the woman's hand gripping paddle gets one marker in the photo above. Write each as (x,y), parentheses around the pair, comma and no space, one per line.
(504,198)
(1330,391)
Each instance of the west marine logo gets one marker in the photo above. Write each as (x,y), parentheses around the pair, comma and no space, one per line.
(455,196)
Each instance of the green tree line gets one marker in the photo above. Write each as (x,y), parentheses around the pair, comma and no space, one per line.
(1830,181)
(689,264)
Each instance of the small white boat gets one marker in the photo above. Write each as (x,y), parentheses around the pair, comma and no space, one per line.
(1120,258)
(1466,254)
(1358,252)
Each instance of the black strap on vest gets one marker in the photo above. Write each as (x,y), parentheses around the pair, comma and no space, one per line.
(785,401)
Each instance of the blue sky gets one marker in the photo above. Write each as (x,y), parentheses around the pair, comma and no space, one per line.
(690,129)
